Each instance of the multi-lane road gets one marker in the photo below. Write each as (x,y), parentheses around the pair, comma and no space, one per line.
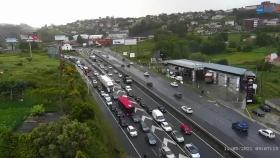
(215,118)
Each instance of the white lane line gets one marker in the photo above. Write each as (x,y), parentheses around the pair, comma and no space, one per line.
(155,152)
(197,136)
(118,124)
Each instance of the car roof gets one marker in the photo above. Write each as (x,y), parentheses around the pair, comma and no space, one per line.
(166,148)
(268,130)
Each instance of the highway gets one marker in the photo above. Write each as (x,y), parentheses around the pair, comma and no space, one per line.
(141,147)
(217,119)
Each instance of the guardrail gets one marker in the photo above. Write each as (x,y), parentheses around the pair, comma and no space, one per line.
(225,150)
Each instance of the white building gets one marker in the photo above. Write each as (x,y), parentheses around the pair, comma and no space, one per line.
(118,35)
(66,47)
(230,23)
(251,7)
(93,37)
(218,17)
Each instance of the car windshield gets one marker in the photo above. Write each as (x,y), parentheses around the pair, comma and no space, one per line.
(193,150)
(177,135)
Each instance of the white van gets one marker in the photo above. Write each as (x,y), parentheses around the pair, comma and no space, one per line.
(157,115)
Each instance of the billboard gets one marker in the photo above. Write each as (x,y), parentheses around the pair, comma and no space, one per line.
(118,42)
(59,37)
(130,42)
(11,40)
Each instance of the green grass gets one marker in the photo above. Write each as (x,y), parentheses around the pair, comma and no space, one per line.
(12,113)
(234,37)
(143,49)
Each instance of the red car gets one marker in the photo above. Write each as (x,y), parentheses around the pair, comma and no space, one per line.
(185,129)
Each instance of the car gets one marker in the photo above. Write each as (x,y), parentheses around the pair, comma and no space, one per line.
(241,126)
(138,99)
(110,74)
(166,126)
(161,108)
(118,81)
(149,84)
(136,118)
(267,133)
(122,65)
(187,110)
(99,88)
(119,113)
(128,65)
(258,112)
(192,150)
(94,81)
(166,152)
(146,74)
(115,71)
(177,136)
(149,109)
(142,103)
(185,129)
(178,95)
(172,76)
(95,73)
(130,93)
(151,139)
(113,107)
(102,93)
(110,67)
(265,108)
(132,131)
(174,84)
(144,126)
(123,122)
(105,95)
(131,63)
(128,88)
(120,75)
(108,100)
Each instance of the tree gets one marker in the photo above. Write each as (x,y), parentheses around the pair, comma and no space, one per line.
(62,139)
(212,46)
(37,110)
(263,39)
(198,57)
(80,39)
(82,112)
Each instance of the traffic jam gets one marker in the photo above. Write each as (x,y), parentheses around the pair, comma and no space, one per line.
(138,114)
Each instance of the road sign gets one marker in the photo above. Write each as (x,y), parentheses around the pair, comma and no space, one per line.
(166,141)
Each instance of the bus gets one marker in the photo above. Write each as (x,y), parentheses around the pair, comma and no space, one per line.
(126,105)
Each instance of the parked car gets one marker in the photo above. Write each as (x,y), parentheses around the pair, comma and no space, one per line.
(161,108)
(94,81)
(166,126)
(136,118)
(241,126)
(102,93)
(174,84)
(258,112)
(187,110)
(144,127)
(267,133)
(118,81)
(138,99)
(265,108)
(128,88)
(151,139)
(120,75)
(110,74)
(113,107)
(166,152)
(192,150)
(132,131)
(185,129)
(177,136)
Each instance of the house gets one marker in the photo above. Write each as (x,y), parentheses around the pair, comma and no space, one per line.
(271,22)
(156,57)
(218,17)
(66,47)
(251,24)
(230,22)
(273,58)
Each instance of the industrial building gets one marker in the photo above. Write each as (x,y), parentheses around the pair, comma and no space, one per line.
(227,76)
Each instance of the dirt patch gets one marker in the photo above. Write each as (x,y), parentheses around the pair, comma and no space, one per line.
(32,122)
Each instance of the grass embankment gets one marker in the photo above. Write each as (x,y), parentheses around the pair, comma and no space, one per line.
(42,78)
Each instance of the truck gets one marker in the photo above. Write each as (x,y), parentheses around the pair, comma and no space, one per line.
(157,115)
(127,79)
(106,82)
(93,58)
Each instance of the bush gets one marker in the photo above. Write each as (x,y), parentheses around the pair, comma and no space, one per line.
(38,110)
(222,62)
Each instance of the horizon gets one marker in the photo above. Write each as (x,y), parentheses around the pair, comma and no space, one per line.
(45,16)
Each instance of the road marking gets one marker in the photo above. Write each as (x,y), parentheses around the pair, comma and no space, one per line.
(154,152)
(182,156)
(146,117)
(198,136)
(166,141)
(138,109)
(153,128)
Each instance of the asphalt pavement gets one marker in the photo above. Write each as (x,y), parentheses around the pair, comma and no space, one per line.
(216,118)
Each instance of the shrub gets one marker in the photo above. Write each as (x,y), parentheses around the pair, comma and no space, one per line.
(222,62)
(38,110)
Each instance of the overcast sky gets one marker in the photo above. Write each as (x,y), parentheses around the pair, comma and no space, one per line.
(40,12)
